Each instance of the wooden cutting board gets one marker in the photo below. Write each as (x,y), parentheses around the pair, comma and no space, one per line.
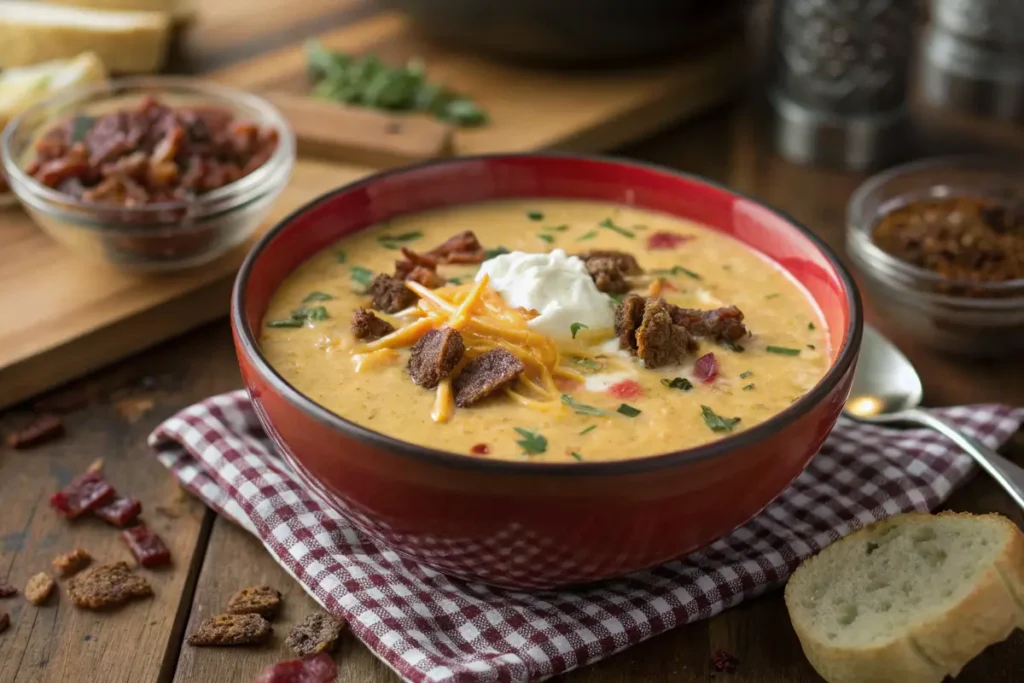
(64,316)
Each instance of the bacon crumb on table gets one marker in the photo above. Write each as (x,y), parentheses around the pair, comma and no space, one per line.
(262,600)
(120,511)
(71,563)
(107,585)
(39,587)
(7,590)
(42,429)
(724,662)
(83,494)
(231,629)
(318,669)
(146,546)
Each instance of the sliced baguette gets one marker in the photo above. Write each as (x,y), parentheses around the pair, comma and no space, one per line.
(126,42)
(911,599)
(21,87)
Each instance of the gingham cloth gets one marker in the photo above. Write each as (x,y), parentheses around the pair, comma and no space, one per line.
(428,627)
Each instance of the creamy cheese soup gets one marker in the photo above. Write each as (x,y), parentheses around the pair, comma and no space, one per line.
(589,332)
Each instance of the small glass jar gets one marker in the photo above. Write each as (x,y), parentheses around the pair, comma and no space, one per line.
(162,236)
(975,318)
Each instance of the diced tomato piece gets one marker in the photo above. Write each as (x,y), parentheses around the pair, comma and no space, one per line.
(84,493)
(120,512)
(706,368)
(627,388)
(318,669)
(666,240)
(146,546)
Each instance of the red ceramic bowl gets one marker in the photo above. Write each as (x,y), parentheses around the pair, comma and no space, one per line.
(522,524)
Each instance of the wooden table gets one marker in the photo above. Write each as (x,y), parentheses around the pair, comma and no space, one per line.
(144,642)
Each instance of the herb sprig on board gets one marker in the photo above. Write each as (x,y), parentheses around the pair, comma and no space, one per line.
(366,81)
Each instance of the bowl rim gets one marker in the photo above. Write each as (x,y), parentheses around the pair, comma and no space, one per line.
(837,370)
(256,182)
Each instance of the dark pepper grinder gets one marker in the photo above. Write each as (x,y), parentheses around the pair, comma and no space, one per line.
(838,87)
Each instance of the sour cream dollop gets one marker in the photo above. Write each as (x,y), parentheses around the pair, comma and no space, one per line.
(555,285)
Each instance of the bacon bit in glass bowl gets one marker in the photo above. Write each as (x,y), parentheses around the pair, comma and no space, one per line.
(149,174)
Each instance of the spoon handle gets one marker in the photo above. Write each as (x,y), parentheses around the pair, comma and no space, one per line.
(1009,475)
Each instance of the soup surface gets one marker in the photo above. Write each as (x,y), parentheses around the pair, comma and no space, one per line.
(597,382)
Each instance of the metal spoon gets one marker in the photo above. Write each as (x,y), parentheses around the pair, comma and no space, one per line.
(886,389)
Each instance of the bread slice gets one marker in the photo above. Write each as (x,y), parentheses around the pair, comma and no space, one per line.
(21,87)
(126,42)
(910,599)
(180,10)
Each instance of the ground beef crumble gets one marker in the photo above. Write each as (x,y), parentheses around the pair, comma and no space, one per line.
(390,293)
(435,355)
(659,341)
(611,269)
(368,327)
(484,375)
(642,328)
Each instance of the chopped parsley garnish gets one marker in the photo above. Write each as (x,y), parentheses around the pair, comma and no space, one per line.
(589,428)
(317,296)
(497,251)
(628,410)
(586,363)
(676,270)
(546,237)
(395,241)
(680,383)
(363,276)
(532,442)
(716,422)
(588,235)
(731,345)
(745,374)
(810,326)
(581,408)
(772,295)
(748,387)
(576,327)
(535,215)
(576,455)
(300,316)
(340,257)
(782,350)
(557,228)
(607,223)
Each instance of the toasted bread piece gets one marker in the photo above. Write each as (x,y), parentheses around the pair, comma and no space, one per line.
(911,599)
(21,87)
(126,42)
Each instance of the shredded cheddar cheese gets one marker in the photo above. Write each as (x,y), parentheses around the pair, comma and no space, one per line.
(444,404)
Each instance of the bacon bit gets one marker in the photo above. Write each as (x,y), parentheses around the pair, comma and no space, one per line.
(706,368)
(723,661)
(627,388)
(7,590)
(666,240)
(146,546)
(85,493)
(480,449)
(120,512)
(318,669)
(43,429)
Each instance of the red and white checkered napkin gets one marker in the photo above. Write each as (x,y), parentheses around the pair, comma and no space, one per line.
(428,627)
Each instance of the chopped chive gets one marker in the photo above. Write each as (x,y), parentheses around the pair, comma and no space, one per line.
(810,326)
(589,428)
(363,276)
(535,215)
(576,327)
(576,455)
(628,410)
(678,383)
(290,322)
(607,223)
(782,350)
(557,228)
(497,251)
(745,374)
(317,296)
(772,295)
(716,422)
(748,387)
(676,270)
(340,257)
(546,237)
(586,363)
(532,442)
(589,235)
(395,241)
(581,408)
(312,313)
(731,345)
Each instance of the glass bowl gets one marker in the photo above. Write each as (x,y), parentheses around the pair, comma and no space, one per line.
(967,317)
(154,237)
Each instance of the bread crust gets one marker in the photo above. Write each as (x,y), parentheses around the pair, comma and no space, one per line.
(933,649)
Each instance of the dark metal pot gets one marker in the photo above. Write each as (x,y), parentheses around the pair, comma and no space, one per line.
(563,32)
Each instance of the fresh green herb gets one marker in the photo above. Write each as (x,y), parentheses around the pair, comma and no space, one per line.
(532,442)
(607,223)
(731,345)
(748,387)
(366,81)
(576,455)
(317,296)
(546,237)
(557,228)
(589,428)
(340,257)
(363,276)
(300,316)
(782,350)
(586,363)
(576,327)
(497,251)
(80,125)
(581,408)
(535,215)
(676,270)
(459,280)
(716,422)
(810,326)
(773,295)
(745,374)
(396,241)
(678,383)
(589,235)
(288,322)
(617,298)
(628,410)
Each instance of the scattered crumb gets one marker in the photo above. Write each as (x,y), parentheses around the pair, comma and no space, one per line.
(71,563)
(133,408)
(5,621)
(43,429)
(232,629)
(39,588)
(318,632)
(95,466)
(7,590)
(723,661)
(262,600)
(107,585)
